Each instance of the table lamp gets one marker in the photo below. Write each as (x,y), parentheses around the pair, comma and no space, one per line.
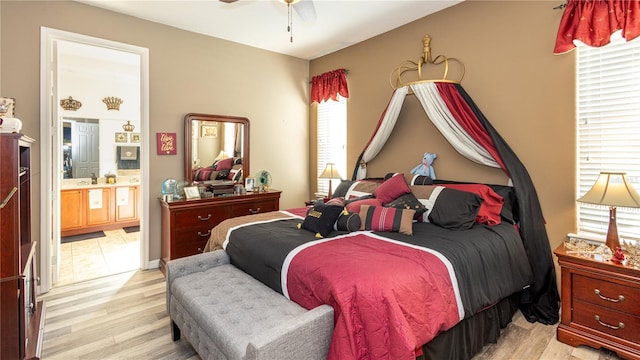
(614,190)
(330,172)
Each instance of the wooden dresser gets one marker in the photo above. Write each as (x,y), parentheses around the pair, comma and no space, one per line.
(600,304)
(187,224)
(21,316)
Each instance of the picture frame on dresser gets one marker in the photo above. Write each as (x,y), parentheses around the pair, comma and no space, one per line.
(249,184)
(191,192)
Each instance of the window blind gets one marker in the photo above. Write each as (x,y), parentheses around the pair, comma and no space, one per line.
(332,139)
(608,115)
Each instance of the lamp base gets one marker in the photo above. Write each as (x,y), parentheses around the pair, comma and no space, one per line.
(613,241)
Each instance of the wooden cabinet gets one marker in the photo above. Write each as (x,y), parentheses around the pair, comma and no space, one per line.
(127,207)
(21,315)
(101,213)
(599,304)
(117,207)
(186,225)
(71,209)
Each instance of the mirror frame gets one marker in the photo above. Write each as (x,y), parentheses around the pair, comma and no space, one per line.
(188,128)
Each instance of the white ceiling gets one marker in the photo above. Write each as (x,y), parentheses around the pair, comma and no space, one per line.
(263,23)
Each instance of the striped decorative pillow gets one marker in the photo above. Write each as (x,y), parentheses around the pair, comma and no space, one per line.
(378,218)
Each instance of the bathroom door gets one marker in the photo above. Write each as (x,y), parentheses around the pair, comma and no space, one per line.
(85,152)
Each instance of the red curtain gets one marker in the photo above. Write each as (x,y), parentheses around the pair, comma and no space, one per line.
(328,85)
(593,22)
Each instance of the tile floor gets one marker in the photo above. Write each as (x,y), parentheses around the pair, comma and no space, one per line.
(115,253)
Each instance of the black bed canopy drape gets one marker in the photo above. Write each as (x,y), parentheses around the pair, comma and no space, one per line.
(462,123)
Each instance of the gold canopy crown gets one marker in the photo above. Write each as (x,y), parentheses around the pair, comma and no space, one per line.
(409,66)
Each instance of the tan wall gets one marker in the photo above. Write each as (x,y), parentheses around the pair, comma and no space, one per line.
(188,73)
(526,93)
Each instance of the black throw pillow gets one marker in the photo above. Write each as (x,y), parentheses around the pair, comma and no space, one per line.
(321,218)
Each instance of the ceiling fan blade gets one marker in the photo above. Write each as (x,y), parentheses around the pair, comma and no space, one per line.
(305,9)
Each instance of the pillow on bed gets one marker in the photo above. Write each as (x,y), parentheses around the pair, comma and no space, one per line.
(378,218)
(491,207)
(341,190)
(348,222)
(361,188)
(421,180)
(204,174)
(510,208)
(321,218)
(336,201)
(223,174)
(224,164)
(391,189)
(450,208)
(233,174)
(355,204)
(408,201)
(413,179)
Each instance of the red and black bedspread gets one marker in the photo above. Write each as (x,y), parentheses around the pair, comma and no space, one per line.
(391,293)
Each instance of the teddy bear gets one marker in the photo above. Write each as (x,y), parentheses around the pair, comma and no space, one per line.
(426,167)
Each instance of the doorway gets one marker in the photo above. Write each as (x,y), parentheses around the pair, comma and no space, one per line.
(128,201)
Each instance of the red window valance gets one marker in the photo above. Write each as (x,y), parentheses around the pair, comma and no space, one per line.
(328,85)
(593,22)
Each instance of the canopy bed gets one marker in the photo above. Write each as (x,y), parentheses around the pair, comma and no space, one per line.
(412,268)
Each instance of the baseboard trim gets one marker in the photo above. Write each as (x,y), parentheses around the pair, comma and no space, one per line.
(152,264)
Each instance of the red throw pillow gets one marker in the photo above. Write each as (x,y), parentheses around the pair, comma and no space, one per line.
(354,207)
(224,164)
(491,206)
(391,189)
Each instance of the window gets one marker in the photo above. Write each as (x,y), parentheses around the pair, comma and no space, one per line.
(608,114)
(332,139)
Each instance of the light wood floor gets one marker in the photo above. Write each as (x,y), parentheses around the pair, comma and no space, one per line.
(124,317)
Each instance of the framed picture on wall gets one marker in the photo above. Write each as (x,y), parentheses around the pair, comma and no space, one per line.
(122,137)
(7,107)
(209,131)
(135,137)
(166,143)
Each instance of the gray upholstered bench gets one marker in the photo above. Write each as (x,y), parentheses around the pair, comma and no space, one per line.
(227,314)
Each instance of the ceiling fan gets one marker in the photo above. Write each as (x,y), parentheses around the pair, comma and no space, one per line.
(304,8)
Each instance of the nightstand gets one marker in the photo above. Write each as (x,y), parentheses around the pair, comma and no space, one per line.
(600,304)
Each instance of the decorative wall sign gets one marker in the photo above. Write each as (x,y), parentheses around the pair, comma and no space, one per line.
(135,137)
(166,143)
(122,137)
(70,104)
(112,102)
(209,131)
(7,107)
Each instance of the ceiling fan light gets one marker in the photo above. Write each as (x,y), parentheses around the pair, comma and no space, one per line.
(290,2)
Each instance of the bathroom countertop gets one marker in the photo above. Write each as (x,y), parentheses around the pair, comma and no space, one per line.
(71,184)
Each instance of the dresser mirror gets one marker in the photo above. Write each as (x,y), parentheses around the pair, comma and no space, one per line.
(210,138)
